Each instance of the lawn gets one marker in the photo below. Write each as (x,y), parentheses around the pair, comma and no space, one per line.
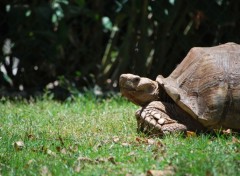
(89,136)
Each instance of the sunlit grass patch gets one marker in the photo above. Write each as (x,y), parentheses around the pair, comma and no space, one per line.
(89,136)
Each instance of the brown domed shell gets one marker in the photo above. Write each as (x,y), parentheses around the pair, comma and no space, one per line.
(206,84)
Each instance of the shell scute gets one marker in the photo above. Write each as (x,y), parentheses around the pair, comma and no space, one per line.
(208,83)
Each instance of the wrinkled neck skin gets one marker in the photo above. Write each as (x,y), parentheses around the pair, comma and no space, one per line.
(139,90)
(144,97)
(141,97)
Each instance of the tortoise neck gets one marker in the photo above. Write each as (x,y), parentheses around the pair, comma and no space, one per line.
(163,96)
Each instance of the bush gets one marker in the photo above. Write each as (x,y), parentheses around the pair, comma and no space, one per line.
(92,43)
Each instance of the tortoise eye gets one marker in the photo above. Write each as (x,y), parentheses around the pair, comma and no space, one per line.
(137,79)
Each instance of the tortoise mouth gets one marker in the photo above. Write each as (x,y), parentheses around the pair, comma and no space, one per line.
(140,89)
(131,96)
(128,88)
(134,90)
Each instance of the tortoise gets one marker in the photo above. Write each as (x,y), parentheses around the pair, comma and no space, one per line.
(201,94)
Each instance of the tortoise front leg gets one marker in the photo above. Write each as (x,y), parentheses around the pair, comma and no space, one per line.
(154,119)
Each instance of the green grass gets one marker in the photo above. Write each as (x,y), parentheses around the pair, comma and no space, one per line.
(98,137)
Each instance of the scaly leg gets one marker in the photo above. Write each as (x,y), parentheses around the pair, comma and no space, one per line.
(159,118)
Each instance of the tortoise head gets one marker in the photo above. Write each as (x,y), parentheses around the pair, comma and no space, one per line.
(138,90)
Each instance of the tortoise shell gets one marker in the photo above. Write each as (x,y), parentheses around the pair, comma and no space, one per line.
(206,84)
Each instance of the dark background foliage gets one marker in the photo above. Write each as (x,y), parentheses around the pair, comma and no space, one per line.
(76,44)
